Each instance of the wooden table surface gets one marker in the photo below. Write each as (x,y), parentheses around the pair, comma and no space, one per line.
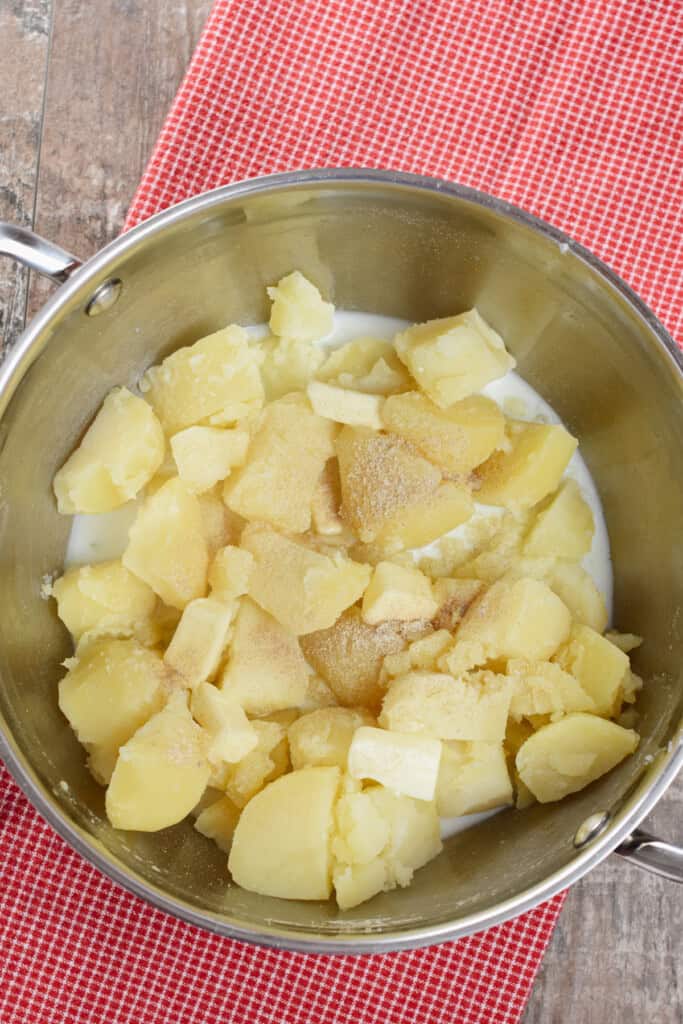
(84,88)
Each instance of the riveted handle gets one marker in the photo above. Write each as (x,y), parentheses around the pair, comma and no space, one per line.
(36,253)
(653,855)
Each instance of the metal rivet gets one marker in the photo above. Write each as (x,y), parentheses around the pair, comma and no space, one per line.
(590,829)
(105,297)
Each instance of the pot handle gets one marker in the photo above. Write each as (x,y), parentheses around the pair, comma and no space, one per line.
(36,253)
(653,855)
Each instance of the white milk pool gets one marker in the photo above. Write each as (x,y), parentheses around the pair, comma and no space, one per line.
(98,538)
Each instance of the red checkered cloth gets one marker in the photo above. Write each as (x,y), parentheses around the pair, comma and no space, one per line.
(571,109)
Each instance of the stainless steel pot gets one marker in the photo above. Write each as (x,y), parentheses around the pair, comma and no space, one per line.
(404,246)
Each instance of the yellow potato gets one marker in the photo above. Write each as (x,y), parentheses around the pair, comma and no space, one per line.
(198,643)
(161,772)
(299,864)
(318,695)
(472,707)
(298,309)
(220,526)
(326,502)
(103,599)
(565,756)
(213,382)
(231,734)
(166,545)
(421,654)
(266,670)
(453,357)
(563,528)
(205,455)
(577,590)
(598,665)
(397,593)
(366,364)
(267,761)
(120,452)
(457,439)
(323,737)
(302,589)
(218,821)
(343,405)
(229,573)
(286,457)
(454,597)
(473,777)
(288,365)
(529,470)
(427,520)
(543,688)
(407,763)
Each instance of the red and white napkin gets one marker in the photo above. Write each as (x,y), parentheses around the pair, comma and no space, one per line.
(569,108)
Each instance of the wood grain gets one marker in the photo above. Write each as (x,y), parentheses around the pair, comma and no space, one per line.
(112,71)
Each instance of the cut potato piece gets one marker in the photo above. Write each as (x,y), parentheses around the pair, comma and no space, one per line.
(302,589)
(297,864)
(220,526)
(318,695)
(112,688)
(101,762)
(453,597)
(199,640)
(161,772)
(521,619)
(166,545)
(349,656)
(599,666)
(453,357)
(397,593)
(543,688)
(626,642)
(564,527)
(267,761)
(414,833)
(366,364)
(421,654)
(361,831)
(565,756)
(456,439)
(326,502)
(231,734)
(229,573)
(298,309)
(104,599)
(214,382)
(120,452)
(323,737)
(427,520)
(286,457)
(343,405)
(266,670)
(473,707)
(205,455)
(576,588)
(288,365)
(356,883)
(218,822)
(407,764)
(381,475)
(473,777)
(529,470)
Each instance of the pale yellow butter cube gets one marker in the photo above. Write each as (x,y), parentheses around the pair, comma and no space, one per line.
(214,382)
(103,598)
(472,707)
(323,737)
(343,405)
(205,455)
(120,452)
(529,469)
(218,821)
(598,665)
(229,573)
(407,764)
(453,357)
(297,809)
(231,734)
(397,593)
(199,640)
(299,310)
(473,777)
(564,527)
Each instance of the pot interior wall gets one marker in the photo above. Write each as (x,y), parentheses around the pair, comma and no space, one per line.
(402,252)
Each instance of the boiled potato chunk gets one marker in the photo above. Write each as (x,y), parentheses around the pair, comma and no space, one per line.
(288,365)
(166,545)
(565,756)
(318,695)
(407,764)
(304,590)
(366,364)
(229,573)
(529,470)
(298,309)
(286,457)
(349,656)
(214,382)
(414,833)
(564,527)
(220,526)
(356,408)
(577,590)
(521,619)
(199,640)
(323,737)
(161,772)
(472,707)
(397,593)
(453,357)
(454,597)
(205,455)
(282,842)
(427,520)
(121,451)
(356,883)
(421,654)
(543,688)
(599,666)
(266,670)
(218,821)
(113,687)
(457,439)
(326,502)
(361,831)
(231,734)
(103,598)
(267,761)
(473,777)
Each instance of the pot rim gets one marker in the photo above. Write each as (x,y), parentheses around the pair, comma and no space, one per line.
(648,789)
